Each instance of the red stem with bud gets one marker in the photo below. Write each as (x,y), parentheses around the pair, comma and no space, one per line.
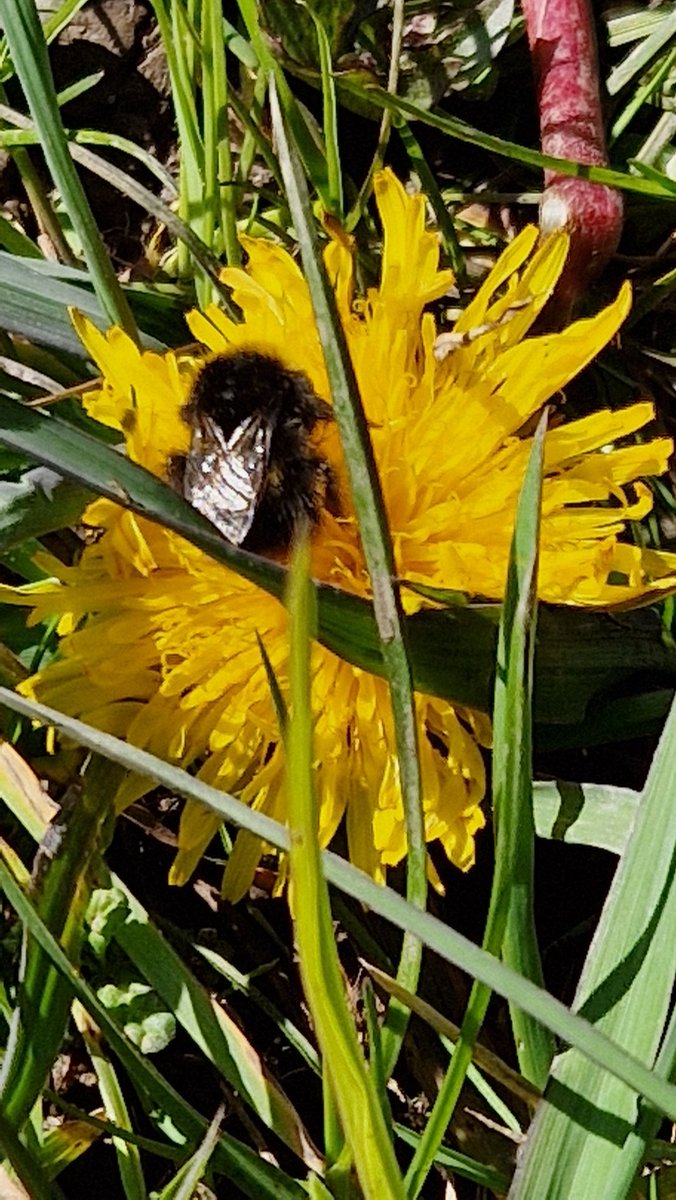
(563,51)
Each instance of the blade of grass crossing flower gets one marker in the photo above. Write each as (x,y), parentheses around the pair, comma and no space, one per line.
(62,883)
(251,1174)
(512,763)
(356,1098)
(29,54)
(514,667)
(378,552)
(590,1124)
(452,946)
(335,178)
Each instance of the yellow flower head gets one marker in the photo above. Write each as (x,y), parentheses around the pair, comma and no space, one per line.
(159,643)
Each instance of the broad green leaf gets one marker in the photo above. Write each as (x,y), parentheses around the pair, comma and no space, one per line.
(579,654)
(587,814)
(35,297)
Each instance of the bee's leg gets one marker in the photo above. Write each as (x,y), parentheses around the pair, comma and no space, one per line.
(175,472)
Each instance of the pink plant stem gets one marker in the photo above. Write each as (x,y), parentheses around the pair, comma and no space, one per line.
(563,50)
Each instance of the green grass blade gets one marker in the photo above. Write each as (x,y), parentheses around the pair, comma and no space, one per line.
(662,189)
(29,54)
(330,112)
(512,764)
(219,175)
(485,1059)
(429,185)
(625,990)
(352,1088)
(452,946)
(510,892)
(378,553)
(305,134)
(587,814)
(183,1185)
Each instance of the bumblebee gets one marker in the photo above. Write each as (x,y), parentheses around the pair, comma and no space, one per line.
(253,467)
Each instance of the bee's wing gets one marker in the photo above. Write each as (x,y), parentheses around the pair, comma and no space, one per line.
(224,477)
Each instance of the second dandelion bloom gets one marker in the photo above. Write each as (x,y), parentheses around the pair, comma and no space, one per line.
(161,645)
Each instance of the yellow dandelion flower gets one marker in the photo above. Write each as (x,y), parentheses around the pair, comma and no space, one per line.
(160,644)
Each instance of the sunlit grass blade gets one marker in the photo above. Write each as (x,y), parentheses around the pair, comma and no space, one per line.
(452,946)
(586,814)
(588,1121)
(29,55)
(218,165)
(305,134)
(376,541)
(353,1090)
(335,178)
(184,1184)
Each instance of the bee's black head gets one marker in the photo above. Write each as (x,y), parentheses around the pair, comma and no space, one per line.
(231,387)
